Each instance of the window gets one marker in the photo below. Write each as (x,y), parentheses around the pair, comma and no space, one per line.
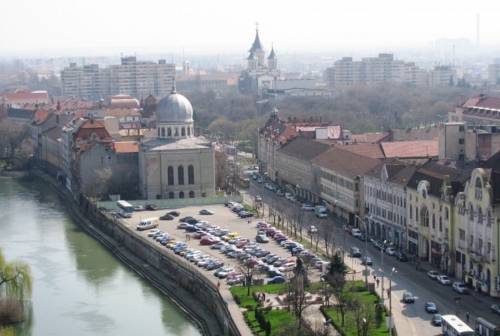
(190,174)
(191,194)
(181,194)
(479,215)
(169,132)
(440,224)
(180,175)
(433,221)
(479,189)
(416,214)
(461,141)
(171,195)
(176,132)
(460,128)
(425,217)
(411,211)
(170,175)
(446,213)
(163,132)
(461,234)
(183,131)
(158,132)
(471,212)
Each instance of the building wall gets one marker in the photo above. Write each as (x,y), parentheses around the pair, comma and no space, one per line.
(430,237)
(477,235)
(93,168)
(154,173)
(386,203)
(452,141)
(297,173)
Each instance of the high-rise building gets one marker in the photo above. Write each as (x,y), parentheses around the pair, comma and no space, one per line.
(375,70)
(494,72)
(130,77)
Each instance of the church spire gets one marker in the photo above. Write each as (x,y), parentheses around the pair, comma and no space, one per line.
(256,45)
(272,54)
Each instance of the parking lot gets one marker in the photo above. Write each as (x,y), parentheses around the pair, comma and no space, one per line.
(222,218)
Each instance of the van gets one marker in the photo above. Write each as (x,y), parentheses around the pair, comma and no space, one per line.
(146,224)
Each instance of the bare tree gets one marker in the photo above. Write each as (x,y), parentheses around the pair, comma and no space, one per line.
(328,235)
(363,316)
(248,269)
(298,294)
(336,279)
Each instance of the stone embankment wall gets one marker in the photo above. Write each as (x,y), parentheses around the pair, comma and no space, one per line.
(180,281)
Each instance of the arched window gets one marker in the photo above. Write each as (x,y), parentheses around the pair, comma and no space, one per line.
(176,132)
(424,216)
(181,194)
(171,195)
(190,174)
(191,194)
(479,215)
(478,192)
(446,213)
(433,221)
(169,132)
(170,175)
(189,131)
(183,131)
(180,175)
(440,224)
(471,211)
(162,131)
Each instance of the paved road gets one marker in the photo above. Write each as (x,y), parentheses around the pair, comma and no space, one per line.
(412,318)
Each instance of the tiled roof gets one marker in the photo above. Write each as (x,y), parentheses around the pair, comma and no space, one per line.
(411,149)
(23,96)
(121,112)
(436,173)
(371,137)
(483,101)
(303,148)
(345,162)
(126,146)
(373,151)
(398,172)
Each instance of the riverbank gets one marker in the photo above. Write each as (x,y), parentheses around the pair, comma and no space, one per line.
(185,287)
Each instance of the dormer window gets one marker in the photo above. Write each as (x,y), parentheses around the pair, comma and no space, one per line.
(478,192)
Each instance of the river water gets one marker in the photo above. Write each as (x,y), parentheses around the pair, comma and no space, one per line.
(79,287)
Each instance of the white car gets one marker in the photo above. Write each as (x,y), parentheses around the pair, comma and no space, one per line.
(307,207)
(356,232)
(312,229)
(460,287)
(444,280)
(433,274)
(390,251)
(152,232)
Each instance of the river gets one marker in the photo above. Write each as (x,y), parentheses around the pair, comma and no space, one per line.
(79,287)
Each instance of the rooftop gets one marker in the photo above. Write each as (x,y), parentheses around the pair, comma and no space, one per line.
(303,148)
(126,146)
(168,145)
(411,149)
(345,162)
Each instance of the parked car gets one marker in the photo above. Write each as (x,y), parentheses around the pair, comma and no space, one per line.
(245,214)
(366,260)
(356,232)
(408,297)
(124,214)
(151,207)
(280,192)
(460,287)
(355,252)
(432,274)
(401,256)
(431,307)
(206,212)
(390,251)
(307,207)
(167,217)
(139,208)
(174,213)
(495,308)
(153,232)
(444,280)
(437,320)
(261,239)
(277,280)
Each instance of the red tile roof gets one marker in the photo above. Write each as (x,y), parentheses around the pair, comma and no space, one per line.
(411,149)
(126,146)
(371,137)
(373,151)
(21,97)
(483,101)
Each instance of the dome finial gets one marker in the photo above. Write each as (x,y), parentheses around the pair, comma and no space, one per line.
(173,87)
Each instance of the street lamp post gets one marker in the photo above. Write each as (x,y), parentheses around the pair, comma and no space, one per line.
(389,292)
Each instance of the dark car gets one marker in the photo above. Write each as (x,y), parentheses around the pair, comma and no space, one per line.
(167,217)
(185,219)
(174,213)
(431,307)
(192,221)
(436,320)
(408,297)
(401,256)
(151,207)
(277,280)
(245,214)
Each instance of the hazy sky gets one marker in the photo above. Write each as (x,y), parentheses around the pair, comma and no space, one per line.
(76,27)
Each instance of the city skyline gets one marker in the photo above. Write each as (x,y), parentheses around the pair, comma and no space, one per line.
(104,28)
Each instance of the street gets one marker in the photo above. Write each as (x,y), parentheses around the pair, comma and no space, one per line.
(410,319)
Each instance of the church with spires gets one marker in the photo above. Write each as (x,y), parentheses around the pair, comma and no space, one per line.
(261,72)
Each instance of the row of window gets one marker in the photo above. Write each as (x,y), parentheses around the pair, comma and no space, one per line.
(478,213)
(174,131)
(389,215)
(386,196)
(340,181)
(478,246)
(171,194)
(180,175)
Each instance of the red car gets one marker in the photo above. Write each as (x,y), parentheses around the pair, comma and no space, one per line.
(209,240)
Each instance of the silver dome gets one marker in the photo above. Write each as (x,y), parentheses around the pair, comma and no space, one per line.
(174,108)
